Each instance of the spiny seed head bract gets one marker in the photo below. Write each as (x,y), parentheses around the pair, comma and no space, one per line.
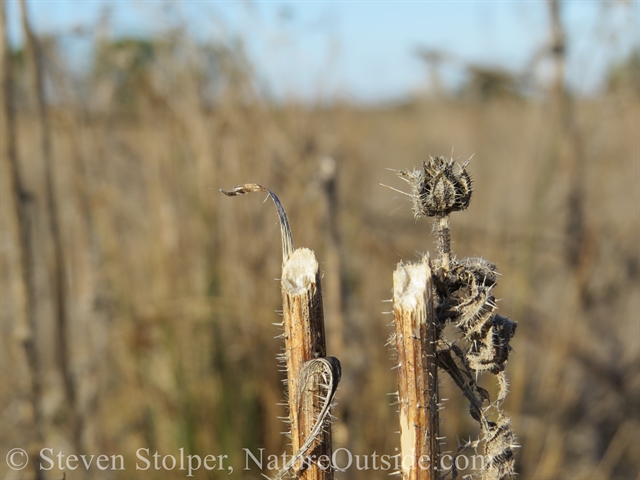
(438,188)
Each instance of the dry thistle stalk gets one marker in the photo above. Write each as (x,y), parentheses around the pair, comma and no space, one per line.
(414,337)
(461,295)
(312,377)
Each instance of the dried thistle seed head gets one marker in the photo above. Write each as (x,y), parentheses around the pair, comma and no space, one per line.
(438,188)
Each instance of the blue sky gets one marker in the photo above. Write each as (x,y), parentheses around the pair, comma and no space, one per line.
(365,50)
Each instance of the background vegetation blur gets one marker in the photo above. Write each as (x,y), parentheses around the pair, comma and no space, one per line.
(137,302)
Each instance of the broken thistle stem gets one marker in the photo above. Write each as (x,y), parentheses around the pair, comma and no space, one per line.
(312,377)
(415,338)
(305,341)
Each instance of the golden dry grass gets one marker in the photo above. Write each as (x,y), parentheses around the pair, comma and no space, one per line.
(171,285)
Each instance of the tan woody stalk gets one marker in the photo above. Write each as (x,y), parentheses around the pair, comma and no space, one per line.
(415,339)
(312,377)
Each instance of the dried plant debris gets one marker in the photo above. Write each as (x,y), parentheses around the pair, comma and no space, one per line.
(499,443)
(326,372)
(464,299)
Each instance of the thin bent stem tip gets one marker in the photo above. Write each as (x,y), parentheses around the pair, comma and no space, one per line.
(285,229)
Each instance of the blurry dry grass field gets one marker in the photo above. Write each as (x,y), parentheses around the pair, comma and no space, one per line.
(169,323)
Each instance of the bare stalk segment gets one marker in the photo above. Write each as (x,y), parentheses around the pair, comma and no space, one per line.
(415,335)
(57,266)
(443,236)
(23,207)
(312,377)
(304,341)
